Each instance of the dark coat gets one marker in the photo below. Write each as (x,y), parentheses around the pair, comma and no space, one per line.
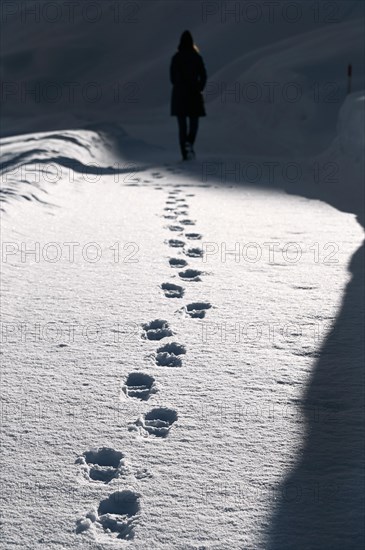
(189,77)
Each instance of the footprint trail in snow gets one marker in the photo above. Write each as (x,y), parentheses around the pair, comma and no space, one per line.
(117,515)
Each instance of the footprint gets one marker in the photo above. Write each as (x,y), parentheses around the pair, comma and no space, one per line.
(168,355)
(187,222)
(139,385)
(176,243)
(177,262)
(156,330)
(172,291)
(102,464)
(170,217)
(194,252)
(157,175)
(142,473)
(193,236)
(176,228)
(196,310)
(169,209)
(116,515)
(190,274)
(157,422)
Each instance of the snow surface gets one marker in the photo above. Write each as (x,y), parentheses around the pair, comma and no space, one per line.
(235,400)
(182,357)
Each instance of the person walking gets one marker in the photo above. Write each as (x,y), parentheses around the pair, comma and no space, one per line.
(188,77)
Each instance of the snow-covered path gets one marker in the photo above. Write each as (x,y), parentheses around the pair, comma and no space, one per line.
(206,468)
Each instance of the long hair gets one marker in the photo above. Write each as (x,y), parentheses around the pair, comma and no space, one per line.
(187,43)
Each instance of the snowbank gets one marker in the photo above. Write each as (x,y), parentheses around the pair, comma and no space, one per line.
(344,160)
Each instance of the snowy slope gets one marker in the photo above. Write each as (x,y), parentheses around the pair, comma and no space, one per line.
(182,363)
(277,81)
(111,64)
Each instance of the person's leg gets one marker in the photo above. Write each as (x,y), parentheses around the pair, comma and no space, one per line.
(193,129)
(182,134)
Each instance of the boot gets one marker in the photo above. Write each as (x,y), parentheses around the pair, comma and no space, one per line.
(190,150)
